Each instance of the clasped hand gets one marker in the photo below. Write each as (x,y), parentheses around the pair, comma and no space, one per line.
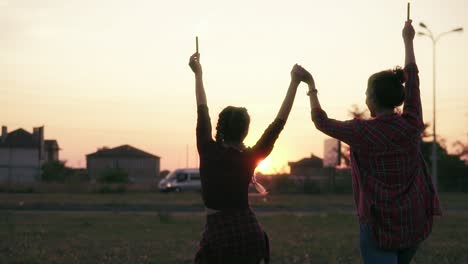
(299,74)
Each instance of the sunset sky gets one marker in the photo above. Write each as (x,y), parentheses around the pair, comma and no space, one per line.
(111,72)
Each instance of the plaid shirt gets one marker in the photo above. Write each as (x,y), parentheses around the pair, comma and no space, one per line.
(393,189)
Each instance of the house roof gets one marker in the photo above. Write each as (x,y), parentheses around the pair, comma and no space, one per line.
(313,161)
(124,151)
(51,144)
(19,138)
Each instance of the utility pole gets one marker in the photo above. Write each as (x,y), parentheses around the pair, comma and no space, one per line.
(186,156)
(434,39)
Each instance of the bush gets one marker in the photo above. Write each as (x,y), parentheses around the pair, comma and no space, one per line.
(312,187)
(55,171)
(282,184)
(452,174)
(113,176)
(16,188)
(112,189)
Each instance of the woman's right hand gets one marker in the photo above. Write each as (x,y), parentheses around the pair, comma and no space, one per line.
(296,74)
(194,63)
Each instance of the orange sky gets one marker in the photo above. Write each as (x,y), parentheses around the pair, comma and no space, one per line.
(113,72)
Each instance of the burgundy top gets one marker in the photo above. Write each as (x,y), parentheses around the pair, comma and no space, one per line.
(392,187)
(226,172)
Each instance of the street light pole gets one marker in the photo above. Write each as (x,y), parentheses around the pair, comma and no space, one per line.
(434,39)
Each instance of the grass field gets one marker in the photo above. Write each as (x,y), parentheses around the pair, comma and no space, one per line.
(161,237)
(297,201)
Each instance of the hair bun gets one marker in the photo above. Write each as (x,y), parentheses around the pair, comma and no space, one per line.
(399,74)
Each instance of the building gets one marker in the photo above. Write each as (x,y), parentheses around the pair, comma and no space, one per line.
(22,155)
(140,166)
(51,148)
(307,168)
(311,174)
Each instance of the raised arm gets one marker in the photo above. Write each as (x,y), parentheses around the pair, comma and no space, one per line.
(203,119)
(290,95)
(412,109)
(408,37)
(341,130)
(197,69)
(264,145)
(312,92)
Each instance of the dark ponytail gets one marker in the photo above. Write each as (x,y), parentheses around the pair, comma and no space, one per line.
(399,75)
(387,88)
(220,129)
(233,125)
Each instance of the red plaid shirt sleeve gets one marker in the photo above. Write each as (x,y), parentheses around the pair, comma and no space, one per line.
(412,110)
(345,131)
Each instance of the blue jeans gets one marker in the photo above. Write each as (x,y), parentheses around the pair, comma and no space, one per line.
(371,253)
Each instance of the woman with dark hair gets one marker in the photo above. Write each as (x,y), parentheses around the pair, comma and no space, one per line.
(393,190)
(232,233)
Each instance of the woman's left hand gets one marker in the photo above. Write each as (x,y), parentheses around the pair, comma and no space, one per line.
(296,74)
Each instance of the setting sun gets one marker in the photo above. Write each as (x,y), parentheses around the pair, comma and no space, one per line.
(266,166)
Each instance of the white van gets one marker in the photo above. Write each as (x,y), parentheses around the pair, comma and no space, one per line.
(181,180)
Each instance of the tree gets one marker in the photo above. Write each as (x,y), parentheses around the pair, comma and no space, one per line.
(461,150)
(452,168)
(356,112)
(55,171)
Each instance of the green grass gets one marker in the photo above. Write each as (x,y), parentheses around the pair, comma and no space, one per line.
(448,200)
(160,237)
(87,198)
(38,237)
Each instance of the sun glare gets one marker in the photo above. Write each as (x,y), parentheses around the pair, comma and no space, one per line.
(265,166)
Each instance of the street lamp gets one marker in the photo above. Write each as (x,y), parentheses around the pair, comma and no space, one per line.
(434,39)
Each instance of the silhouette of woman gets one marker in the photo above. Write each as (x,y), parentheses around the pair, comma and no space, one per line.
(393,190)
(232,233)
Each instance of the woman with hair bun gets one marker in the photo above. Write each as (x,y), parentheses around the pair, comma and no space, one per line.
(232,233)
(393,190)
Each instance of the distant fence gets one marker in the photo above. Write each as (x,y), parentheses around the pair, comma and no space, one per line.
(77,187)
(330,181)
(338,181)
